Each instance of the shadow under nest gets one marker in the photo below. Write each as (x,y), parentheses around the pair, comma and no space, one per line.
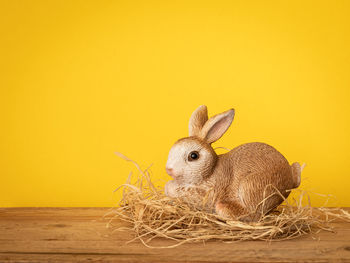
(150,214)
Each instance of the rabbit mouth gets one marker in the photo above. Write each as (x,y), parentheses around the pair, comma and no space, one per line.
(172,173)
(177,177)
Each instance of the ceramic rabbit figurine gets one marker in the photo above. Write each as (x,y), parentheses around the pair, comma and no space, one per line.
(245,180)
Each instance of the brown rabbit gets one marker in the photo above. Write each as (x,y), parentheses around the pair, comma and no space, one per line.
(248,181)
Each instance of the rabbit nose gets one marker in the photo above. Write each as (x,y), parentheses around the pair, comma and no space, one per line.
(169,171)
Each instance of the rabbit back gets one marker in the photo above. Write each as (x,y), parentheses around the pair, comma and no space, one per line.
(254,172)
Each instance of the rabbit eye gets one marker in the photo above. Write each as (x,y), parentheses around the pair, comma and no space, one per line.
(193,156)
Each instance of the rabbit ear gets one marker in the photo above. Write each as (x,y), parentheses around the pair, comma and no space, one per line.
(216,126)
(197,120)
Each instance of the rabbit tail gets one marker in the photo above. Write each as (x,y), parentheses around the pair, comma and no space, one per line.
(296,173)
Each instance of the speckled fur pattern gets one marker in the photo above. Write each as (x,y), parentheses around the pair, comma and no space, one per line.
(241,178)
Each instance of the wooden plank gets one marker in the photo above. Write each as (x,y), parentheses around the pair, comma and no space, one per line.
(80,234)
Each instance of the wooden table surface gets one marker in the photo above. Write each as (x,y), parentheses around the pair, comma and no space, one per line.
(80,234)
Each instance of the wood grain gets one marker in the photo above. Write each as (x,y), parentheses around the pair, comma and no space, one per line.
(80,234)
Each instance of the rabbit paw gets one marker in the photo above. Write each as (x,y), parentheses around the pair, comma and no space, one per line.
(229,210)
(221,210)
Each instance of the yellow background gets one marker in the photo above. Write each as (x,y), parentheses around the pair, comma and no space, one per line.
(83,79)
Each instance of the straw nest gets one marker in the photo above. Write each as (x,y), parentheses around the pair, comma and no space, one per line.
(149,214)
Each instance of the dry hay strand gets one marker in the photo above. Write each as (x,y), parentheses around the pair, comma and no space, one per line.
(150,214)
